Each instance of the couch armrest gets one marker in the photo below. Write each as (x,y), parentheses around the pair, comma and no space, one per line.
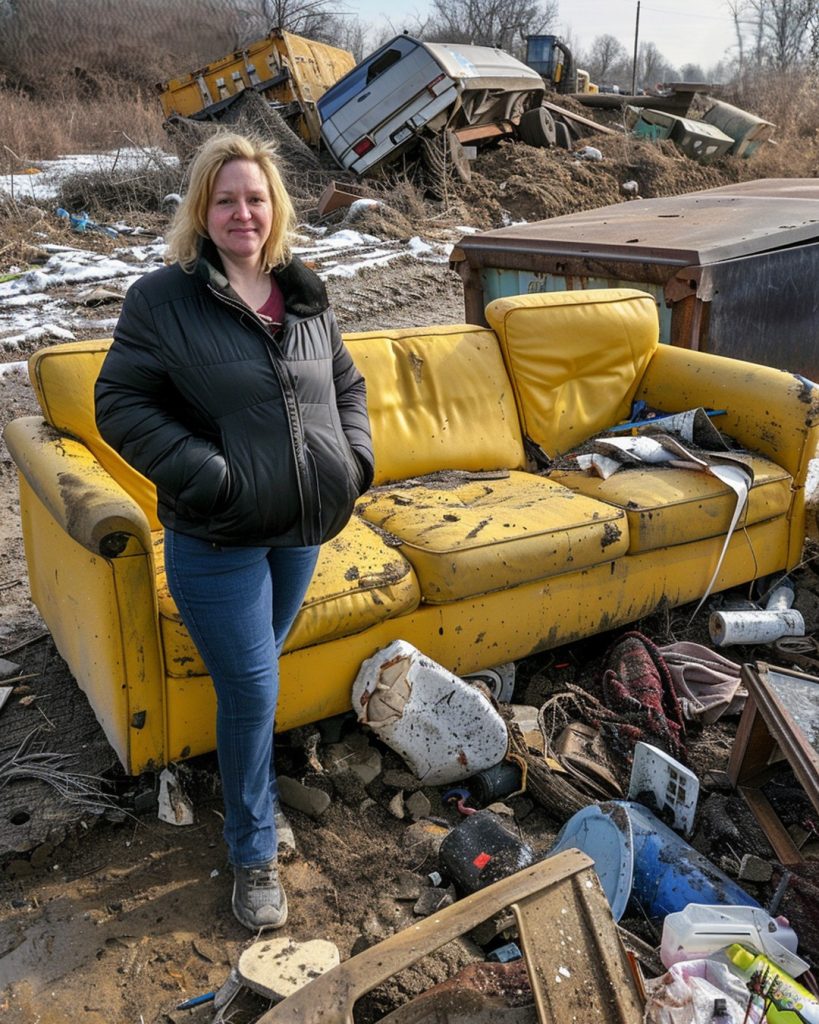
(767,411)
(81,496)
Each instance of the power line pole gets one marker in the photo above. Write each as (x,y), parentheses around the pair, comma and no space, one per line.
(634,60)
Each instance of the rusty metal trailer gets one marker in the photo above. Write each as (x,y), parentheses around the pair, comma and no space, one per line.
(734,270)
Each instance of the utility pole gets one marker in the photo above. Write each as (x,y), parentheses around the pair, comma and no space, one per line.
(634,60)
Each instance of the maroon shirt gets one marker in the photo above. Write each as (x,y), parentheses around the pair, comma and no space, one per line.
(273,308)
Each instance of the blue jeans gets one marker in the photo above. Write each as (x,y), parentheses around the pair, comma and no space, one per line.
(238,605)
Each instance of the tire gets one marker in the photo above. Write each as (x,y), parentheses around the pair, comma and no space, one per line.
(537,128)
(563,136)
(442,158)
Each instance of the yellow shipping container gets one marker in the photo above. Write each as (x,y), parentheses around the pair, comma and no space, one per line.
(285,68)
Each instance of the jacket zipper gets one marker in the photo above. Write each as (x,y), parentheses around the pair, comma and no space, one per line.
(307,498)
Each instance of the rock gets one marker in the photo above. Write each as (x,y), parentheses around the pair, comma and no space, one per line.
(589,153)
(396,806)
(354,754)
(398,779)
(418,805)
(278,967)
(408,885)
(432,900)
(422,840)
(754,869)
(9,668)
(308,799)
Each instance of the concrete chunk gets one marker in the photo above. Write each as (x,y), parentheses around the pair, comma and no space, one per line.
(278,967)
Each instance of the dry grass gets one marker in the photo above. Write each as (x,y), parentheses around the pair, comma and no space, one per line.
(791,101)
(67,122)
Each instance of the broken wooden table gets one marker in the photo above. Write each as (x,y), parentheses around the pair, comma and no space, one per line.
(780,720)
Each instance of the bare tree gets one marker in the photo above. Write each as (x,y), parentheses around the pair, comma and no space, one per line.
(606,60)
(652,66)
(299,16)
(781,34)
(346,31)
(502,23)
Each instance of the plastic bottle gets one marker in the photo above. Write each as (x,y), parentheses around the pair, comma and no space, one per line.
(496,782)
(791,1003)
(698,930)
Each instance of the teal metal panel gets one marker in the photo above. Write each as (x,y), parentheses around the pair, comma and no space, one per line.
(499,284)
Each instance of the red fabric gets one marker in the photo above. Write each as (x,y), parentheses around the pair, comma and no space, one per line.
(274,305)
(638,687)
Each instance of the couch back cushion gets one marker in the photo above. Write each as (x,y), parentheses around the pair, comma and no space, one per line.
(575,359)
(63,378)
(439,398)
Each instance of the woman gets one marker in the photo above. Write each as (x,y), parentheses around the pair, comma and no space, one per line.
(229,387)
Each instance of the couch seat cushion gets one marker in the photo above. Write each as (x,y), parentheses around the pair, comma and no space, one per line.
(359,581)
(469,534)
(667,506)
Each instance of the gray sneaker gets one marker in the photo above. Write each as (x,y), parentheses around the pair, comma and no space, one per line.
(259,901)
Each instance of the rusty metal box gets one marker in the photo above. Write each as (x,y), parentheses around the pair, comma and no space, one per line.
(734,270)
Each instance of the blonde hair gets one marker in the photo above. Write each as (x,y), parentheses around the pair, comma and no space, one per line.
(189,224)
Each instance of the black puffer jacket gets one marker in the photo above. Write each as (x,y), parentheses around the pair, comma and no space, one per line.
(249,440)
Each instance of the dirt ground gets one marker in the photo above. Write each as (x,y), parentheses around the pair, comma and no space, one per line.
(117,917)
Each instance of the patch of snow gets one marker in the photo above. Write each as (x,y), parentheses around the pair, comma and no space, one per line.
(28,301)
(44,184)
(8,368)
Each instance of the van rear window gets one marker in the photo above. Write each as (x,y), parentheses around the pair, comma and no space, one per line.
(386,60)
(357,80)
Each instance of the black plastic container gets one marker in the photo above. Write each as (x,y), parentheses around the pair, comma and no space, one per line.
(495,783)
(482,850)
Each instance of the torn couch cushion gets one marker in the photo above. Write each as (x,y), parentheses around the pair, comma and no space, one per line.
(667,506)
(359,581)
(444,728)
(467,537)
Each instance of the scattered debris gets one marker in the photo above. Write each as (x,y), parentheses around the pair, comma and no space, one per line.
(174,805)
(278,967)
(663,784)
(444,728)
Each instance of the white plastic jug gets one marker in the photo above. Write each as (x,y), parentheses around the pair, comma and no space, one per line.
(699,930)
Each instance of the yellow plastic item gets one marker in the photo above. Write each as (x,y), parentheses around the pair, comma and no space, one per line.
(791,1003)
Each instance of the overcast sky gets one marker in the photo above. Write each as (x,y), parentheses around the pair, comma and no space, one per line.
(685,31)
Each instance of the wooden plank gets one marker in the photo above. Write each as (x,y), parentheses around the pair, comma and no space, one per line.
(775,832)
(752,747)
(586,122)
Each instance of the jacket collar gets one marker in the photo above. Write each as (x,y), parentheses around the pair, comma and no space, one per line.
(303,290)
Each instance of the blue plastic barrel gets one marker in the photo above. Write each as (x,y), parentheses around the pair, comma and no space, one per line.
(638,858)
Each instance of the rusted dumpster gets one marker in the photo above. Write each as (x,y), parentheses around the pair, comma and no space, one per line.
(733,269)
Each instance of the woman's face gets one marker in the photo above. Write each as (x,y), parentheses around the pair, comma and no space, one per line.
(240,212)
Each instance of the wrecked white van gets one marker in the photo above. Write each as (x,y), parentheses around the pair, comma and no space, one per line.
(409,90)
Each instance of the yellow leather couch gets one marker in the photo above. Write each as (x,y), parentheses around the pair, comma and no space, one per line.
(458,548)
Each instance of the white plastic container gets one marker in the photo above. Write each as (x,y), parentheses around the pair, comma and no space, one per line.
(699,930)
(754,627)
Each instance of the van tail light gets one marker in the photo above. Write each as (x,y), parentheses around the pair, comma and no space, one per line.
(364,145)
(435,81)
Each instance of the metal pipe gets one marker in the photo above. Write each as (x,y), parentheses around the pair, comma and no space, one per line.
(634,61)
